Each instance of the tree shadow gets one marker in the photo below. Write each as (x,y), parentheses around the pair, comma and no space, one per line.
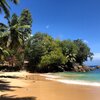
(4,97)
(4,86)
(1,81)
(2,76)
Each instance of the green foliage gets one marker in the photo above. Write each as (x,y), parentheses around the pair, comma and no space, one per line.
(16,32)
(46,54)
(69,50)
(37,45)
(3,35)
(25,20)
(44,51)
(13,37)
(55,57)
(3,54)
(83,51)
(14,59)
(41,50)
(4,6)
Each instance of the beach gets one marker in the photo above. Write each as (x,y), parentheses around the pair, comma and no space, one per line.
(26,86)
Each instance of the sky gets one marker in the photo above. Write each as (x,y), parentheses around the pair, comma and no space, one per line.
(65,19)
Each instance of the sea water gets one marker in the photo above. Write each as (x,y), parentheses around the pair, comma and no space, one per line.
(91,78)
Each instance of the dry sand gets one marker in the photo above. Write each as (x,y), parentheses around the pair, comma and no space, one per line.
(25,86)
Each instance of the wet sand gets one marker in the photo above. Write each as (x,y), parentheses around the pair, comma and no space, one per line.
(35,87)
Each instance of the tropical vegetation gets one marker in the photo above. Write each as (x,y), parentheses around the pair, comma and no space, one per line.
(5,7)
(42,52)
(47,54)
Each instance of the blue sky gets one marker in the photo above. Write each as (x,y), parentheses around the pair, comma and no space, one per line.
(65,19)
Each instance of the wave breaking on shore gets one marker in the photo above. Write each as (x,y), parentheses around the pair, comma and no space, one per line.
(67,81)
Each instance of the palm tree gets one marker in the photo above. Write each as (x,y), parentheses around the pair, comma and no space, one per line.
(11,38)
(4,6)
(3,54)
(13,33)
(3,35)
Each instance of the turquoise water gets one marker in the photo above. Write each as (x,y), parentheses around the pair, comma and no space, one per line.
(93,76)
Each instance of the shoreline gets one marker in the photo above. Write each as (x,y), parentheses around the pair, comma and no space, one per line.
(68,81)
(49,76)
(36,87)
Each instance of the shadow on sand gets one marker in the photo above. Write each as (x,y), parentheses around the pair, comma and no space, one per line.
(4,97)
(4,86)
(2,76)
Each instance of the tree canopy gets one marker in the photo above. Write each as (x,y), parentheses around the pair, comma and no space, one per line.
(14,35)
(43,52)
(83,51)
(48,54)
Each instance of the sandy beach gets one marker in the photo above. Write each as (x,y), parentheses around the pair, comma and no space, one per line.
(26,86)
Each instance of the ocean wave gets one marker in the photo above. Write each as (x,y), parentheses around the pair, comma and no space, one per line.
(68,81)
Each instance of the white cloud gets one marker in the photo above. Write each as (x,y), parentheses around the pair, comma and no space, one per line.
(85,41)
(47,26)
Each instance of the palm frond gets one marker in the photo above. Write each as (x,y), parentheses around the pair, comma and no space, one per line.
(4,34)
(3,25)
(15,1)
(5,7)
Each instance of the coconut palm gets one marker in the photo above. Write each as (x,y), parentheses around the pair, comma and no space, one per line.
(13,33)
(3,35)
(3,54)
(4,6)
(11,37)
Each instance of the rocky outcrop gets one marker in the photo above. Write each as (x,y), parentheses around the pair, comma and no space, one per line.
(81,68)
(97,67)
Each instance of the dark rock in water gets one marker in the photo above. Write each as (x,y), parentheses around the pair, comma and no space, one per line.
(97,67)
(81,68)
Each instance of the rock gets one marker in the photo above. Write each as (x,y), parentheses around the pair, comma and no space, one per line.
(80,68)
(98,67)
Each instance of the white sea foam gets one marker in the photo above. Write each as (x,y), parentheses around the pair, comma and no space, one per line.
(50,76)
(67,81)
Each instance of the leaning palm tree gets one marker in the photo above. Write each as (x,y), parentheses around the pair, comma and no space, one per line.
(3,42)
(3,35)
(4,6)
(12,33)
(3,54)
(11,37)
